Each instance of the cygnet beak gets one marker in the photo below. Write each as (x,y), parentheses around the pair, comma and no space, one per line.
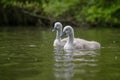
(63,33)
(54,30)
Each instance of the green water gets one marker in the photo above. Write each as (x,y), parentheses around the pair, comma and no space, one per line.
(27,54)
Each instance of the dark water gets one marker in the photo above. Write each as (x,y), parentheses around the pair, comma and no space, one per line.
(28,54)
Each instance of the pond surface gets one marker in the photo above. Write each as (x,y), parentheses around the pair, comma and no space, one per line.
(26,53)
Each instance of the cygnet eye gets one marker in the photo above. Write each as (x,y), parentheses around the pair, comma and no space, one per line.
(66,29)
(57,26)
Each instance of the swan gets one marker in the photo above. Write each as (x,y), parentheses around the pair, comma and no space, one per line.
(77,43)
(58,41)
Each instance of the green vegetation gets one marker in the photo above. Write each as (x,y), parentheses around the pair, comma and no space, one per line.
(76,12)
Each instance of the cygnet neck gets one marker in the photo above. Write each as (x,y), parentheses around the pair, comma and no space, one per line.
(71,38)
(58,34)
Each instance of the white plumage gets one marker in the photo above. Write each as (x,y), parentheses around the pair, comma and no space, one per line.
(77,43)
(58,41)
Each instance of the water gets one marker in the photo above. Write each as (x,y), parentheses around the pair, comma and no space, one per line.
(26,53)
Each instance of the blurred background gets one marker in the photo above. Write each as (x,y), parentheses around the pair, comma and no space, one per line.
(45,12)
(26,39)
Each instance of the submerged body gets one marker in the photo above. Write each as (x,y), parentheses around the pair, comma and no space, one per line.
(59,42)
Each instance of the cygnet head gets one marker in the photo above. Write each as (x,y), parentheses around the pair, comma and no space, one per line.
(68,30)
(57,26)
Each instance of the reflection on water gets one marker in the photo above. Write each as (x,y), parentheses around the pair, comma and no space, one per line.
(75,64)
(63,65)
(26,53)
